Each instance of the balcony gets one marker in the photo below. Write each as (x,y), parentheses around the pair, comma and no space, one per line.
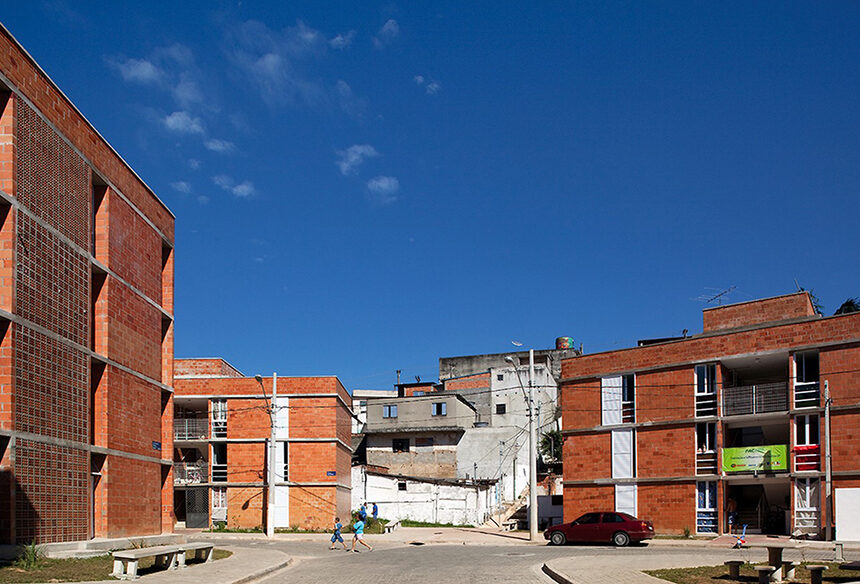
(755,399)
(807,395)
(190,473)
(807,458)
(190,429)
(706,463)
(219,473)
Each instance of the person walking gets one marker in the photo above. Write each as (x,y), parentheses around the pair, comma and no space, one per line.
(732,512)
(358,536)
(362,512)
(336,536)
(375,513)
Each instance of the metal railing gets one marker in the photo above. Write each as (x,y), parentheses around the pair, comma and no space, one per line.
(190,473)
(219,473)
(628,412)
(190,428)
(219,428)
(755,399)
(706,521)
(706,463)
(807,458)
(807,395)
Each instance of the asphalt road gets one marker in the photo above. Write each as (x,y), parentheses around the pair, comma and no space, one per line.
(395,563)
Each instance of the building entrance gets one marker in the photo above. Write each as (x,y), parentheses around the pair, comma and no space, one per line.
(763,507)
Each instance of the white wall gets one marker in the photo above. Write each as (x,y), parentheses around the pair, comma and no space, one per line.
(421,501)
(847,504)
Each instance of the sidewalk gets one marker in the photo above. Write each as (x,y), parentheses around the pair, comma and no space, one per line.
(244,566)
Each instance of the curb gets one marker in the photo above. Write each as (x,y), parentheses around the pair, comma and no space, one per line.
(264,572)
(557,576)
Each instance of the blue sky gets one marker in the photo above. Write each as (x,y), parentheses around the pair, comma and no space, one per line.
(366,187)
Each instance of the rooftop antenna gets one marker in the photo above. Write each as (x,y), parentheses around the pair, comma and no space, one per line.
(710,297)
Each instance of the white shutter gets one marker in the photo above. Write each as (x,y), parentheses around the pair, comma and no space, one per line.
(622,454)
(282,417)
(610,392)
(625,499)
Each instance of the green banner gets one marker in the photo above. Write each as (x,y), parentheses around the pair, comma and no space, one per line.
(755,458)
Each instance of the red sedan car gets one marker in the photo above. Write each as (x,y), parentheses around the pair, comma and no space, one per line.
(618,528)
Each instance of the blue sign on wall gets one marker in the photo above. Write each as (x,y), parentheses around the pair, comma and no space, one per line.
(156,445)
(330,473)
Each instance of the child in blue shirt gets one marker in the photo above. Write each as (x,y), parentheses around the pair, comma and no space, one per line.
(358,536)
(336,536)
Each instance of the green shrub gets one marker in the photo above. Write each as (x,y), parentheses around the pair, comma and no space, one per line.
(30,557)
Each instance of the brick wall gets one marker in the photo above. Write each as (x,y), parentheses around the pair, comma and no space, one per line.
(670,507)
(579,500)
(587,456)
(477,381)
(313,507)
(668,394)
(133,497)
(787,307)
(666,452)
(245,507)
(205,367)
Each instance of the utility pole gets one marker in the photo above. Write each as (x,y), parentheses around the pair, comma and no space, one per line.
(270,510)
(828,507)
(533,512)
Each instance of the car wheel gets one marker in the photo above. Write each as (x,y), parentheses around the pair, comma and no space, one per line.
(557,538)
(620,539)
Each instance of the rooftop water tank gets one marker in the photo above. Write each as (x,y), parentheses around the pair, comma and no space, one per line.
(564,343)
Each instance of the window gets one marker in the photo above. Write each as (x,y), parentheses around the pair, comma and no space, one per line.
(418,393)
(286,452)
(706,379)
(401,486)
(424,442)
(400,445)
(612,518)
(807,430)
(219,418)
(806,367)
(500,376)
(706,437)
(556,500)
(389,411)
(589,518)
(628,385)
(219,504)
(440,409)
(500,408)
(806,503)
(706,507)
(623,454)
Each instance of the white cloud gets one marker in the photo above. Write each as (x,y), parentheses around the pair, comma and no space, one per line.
(186,92)
(384,189)
(389,31)
(203,199)
(193,163)
(419,79)
(181,186)
(350,159)
(342,41)
(183,122)
(272,61)
(138,71)
(433,87)
(348,101)
(221,146)
(243,190)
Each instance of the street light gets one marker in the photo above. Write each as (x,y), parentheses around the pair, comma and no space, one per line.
(532,442)
(270,506)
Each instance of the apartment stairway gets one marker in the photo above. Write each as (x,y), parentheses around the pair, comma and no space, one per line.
(512,510)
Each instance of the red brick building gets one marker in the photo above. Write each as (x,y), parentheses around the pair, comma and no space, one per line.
(86,324)
(222,428)
(673,429)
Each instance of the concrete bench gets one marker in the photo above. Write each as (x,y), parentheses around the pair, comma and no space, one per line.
(201,550)
(815,573)
(788,568)
(391,526)
(768,574)
(734,568)
(125,561)
(509,525)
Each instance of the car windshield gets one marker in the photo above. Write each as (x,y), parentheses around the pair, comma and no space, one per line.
(588,518)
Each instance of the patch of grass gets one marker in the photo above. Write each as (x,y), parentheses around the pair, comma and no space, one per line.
(77,569)
(719,574)
(222,528)
(413,523)
(297,529)
(30,557)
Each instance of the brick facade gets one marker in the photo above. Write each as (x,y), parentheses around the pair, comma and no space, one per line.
(86,355)
(315,425)
(757,353)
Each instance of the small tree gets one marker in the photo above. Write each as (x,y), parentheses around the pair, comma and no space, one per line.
(551,446)
(849,306)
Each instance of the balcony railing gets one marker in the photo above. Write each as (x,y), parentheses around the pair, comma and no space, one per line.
(755,399)
(190,473)
(706,463)
(807,458)
(706,404)
(219,473)
(807,395)
(190,429)
(628,412)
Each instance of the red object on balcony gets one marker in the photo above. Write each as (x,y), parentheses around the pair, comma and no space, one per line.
(807,457)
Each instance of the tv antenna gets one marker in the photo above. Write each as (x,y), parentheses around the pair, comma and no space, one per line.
(717,297)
